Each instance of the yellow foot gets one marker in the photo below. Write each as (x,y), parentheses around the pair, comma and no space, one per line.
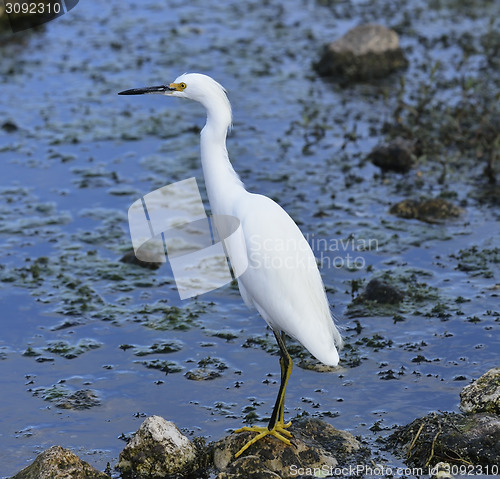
(279,431)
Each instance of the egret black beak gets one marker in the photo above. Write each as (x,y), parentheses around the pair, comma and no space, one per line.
(150,89)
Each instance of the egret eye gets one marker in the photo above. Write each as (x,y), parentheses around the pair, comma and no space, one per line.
(182,86)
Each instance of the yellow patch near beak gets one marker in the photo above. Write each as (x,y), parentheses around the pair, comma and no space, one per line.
(177,86)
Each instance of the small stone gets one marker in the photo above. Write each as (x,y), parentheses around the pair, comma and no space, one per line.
(59,463)
(311,364)
(130,258)
(395,156)
(157,450)
(9,126)
(382,292)
(483,395)
(364,52)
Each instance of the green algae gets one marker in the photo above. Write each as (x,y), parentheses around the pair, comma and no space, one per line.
(84,283)
(168,367)
(52,393)
(228,335)
(65,397)
(70,351)
(63,348)
(478,262)
(163,347)
(208,368)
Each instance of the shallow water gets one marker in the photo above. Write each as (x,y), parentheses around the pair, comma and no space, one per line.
(75,318)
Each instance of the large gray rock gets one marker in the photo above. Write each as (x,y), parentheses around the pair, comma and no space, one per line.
(454,438)
(483,395)
(59,463)
(316,447)
(449,438)
(364,52)
(157,450)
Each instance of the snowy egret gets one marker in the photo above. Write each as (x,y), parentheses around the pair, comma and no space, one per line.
(282,280)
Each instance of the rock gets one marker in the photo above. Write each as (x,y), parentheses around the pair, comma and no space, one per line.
(395,156)
(9,126)
(483,395)
(434,210)
(381,292)
(315,444)
(59,463)
(454,438)
(312,364)
(249,466)
(130,258)
(365,52)
(157,450)
(405,209)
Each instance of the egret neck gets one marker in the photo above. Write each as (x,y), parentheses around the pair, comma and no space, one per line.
(222,182)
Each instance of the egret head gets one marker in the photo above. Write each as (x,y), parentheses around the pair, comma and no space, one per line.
(193,86)
(196,86)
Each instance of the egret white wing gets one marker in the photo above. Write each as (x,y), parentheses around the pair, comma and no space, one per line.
(282,280)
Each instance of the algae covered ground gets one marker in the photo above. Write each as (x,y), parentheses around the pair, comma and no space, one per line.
(91,345)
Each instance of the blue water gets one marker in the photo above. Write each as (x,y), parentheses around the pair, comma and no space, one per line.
(82,155)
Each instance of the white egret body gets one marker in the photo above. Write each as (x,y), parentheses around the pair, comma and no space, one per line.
(282,280)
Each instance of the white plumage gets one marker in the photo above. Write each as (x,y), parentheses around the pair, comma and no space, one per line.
(282,280)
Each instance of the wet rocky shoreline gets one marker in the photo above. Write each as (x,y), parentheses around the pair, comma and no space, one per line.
(159,450)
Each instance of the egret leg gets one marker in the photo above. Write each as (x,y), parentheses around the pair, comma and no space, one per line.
(286,365)
(276,426)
